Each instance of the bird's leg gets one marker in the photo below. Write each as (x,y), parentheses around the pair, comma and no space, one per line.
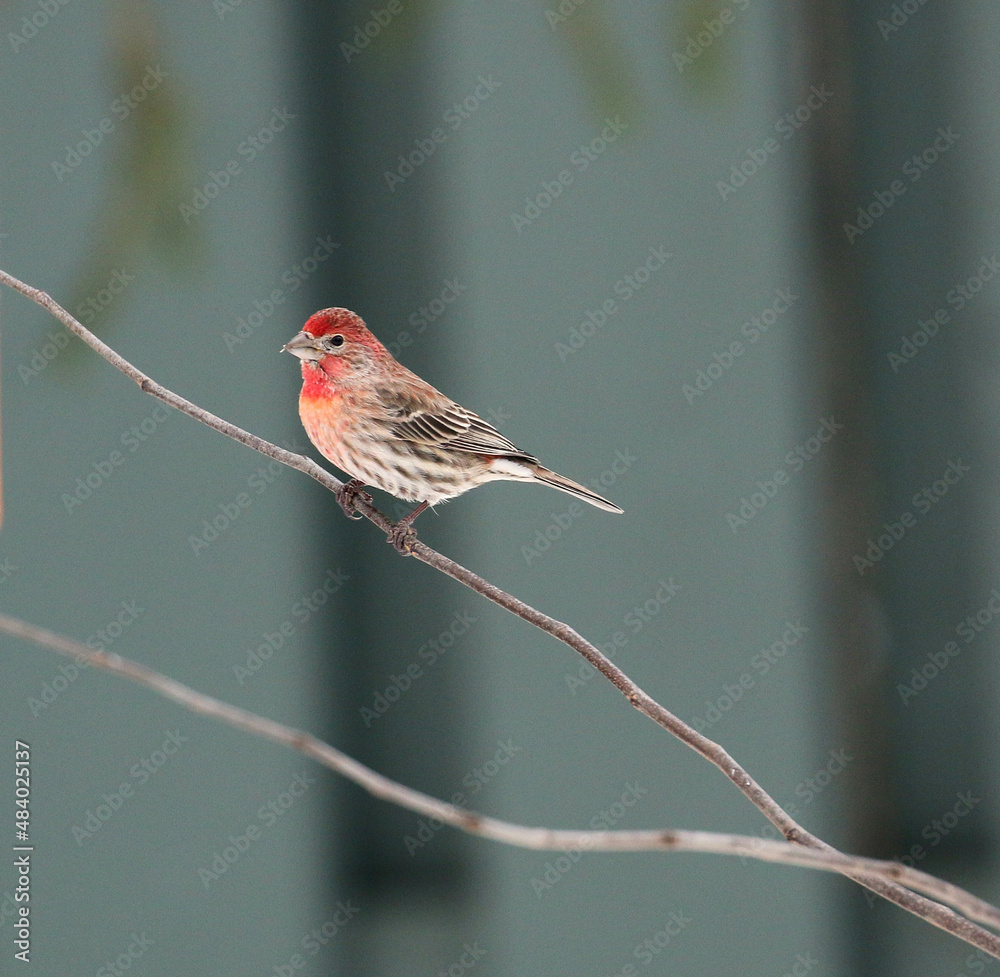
(346,495)
(403,534)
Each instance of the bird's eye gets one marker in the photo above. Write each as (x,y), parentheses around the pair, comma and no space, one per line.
(335,341)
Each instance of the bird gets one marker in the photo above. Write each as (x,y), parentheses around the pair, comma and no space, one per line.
(384,426)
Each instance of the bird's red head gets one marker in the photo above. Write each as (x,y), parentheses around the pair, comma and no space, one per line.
(336,345)
(329,322)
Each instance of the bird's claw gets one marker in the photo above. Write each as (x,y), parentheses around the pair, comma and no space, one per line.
(402,536)
(346,495)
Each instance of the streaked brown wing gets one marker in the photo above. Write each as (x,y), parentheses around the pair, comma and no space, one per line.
(458,428)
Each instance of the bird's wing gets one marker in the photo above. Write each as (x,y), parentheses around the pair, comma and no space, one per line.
(457,428)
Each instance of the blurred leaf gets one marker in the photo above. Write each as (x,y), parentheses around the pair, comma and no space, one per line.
(702,48)
(601,57)
(586,27)
(398,37)
(139,214)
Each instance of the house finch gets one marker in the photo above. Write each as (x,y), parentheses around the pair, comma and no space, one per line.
(386,427)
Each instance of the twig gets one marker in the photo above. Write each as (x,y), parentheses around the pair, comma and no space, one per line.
(926,909)
(493,829)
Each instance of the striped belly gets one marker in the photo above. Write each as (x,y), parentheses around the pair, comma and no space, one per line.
(367,449)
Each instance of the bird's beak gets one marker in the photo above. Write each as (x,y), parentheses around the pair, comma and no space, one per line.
(304,347)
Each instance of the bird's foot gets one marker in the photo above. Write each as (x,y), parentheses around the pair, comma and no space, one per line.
(402,536)
(346,495)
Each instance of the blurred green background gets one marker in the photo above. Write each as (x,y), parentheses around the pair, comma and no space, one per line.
(733,264)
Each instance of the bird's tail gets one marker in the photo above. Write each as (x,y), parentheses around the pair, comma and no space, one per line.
(567,485)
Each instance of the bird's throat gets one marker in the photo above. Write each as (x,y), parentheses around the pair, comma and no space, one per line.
(316,381)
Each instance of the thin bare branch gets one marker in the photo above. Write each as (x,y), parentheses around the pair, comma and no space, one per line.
(793,832)
(493,829)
